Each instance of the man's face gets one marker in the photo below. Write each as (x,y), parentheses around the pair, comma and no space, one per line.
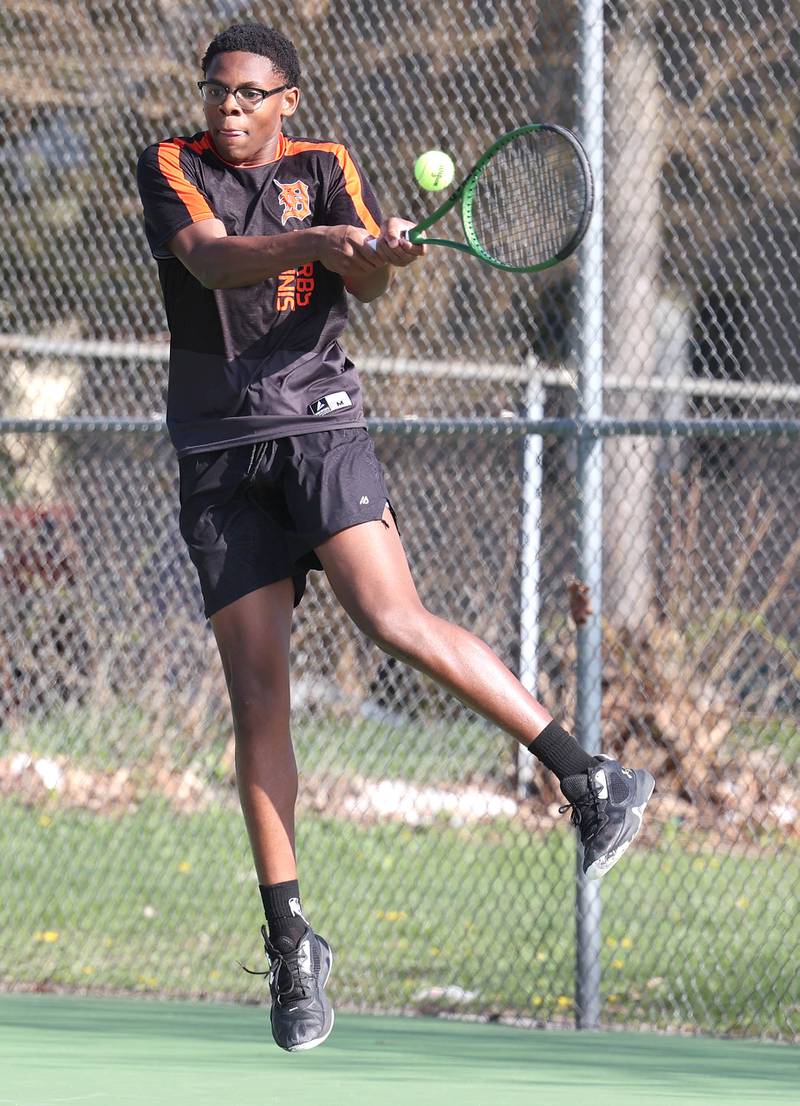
(242,137)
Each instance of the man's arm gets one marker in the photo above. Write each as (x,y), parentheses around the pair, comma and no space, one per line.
(220,261)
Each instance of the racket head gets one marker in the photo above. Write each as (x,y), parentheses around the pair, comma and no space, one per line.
(527,203)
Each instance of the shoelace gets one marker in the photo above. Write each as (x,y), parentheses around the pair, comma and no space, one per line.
(279,960)
(586,812)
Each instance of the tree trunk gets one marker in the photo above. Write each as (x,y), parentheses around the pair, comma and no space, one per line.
(634,152)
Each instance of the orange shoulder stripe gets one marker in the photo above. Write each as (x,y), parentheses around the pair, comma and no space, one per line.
(352,181)
(169,162)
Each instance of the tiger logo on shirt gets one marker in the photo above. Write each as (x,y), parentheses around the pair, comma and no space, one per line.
(294,201)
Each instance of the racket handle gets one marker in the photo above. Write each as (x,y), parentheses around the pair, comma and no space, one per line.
(373,242)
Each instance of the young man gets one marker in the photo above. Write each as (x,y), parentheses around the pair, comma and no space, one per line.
(259,238)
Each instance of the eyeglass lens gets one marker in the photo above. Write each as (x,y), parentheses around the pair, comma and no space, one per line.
(245,97)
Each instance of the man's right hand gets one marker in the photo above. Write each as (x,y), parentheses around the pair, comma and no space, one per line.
(344,250)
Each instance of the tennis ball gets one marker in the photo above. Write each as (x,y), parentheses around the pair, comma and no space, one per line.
(434,170)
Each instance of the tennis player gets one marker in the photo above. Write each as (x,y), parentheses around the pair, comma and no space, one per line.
(260,238)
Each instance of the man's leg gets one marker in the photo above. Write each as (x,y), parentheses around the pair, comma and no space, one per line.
(253,639)
(368,571)
(369,574)
(253,636)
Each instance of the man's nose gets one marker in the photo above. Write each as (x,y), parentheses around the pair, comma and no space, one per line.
(230,103)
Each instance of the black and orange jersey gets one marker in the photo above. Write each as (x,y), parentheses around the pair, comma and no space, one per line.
(264,361)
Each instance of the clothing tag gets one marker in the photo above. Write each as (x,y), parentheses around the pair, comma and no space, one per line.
(336,401)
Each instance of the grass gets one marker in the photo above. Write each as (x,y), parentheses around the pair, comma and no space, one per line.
(415,750)
(419,751)
(159,903)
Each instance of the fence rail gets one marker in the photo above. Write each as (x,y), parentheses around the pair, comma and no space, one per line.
(508,427)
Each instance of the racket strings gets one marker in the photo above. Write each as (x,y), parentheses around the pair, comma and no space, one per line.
(530,201)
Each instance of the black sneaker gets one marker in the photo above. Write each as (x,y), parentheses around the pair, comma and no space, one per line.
(607,806)
(301,1014)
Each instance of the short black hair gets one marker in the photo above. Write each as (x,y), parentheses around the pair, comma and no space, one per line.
(256,38)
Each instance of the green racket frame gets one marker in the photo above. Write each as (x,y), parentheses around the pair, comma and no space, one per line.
(465,194)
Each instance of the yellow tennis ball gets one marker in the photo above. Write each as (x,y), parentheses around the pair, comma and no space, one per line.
(434,170)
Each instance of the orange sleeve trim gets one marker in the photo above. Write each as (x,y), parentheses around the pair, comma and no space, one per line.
(169,162)
(201,144)
(352,181)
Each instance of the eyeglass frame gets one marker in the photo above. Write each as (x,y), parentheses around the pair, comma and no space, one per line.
(265,93)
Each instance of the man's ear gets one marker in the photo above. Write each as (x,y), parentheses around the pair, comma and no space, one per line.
(290,100)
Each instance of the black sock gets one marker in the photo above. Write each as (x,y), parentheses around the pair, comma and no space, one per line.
(284,913)
(560,752)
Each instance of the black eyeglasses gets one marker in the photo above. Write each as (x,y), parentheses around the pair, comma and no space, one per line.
(249,99)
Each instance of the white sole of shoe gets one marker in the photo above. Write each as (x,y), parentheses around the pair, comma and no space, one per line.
(600,867)
(319,1041)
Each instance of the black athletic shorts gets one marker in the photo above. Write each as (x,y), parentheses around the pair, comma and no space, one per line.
(253,514)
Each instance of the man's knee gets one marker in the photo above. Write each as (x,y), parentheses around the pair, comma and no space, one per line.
(254,697)
(399,630)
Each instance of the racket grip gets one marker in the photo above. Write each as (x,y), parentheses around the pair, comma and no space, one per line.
(373,242)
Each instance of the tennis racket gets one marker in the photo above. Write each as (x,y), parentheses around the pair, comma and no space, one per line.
(526,203)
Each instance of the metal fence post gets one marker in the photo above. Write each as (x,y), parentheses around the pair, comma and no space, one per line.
(590,493)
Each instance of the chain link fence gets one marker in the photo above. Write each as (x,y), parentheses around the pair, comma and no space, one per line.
(125,862)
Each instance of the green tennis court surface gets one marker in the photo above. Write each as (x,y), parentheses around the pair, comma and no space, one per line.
(57,1050)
